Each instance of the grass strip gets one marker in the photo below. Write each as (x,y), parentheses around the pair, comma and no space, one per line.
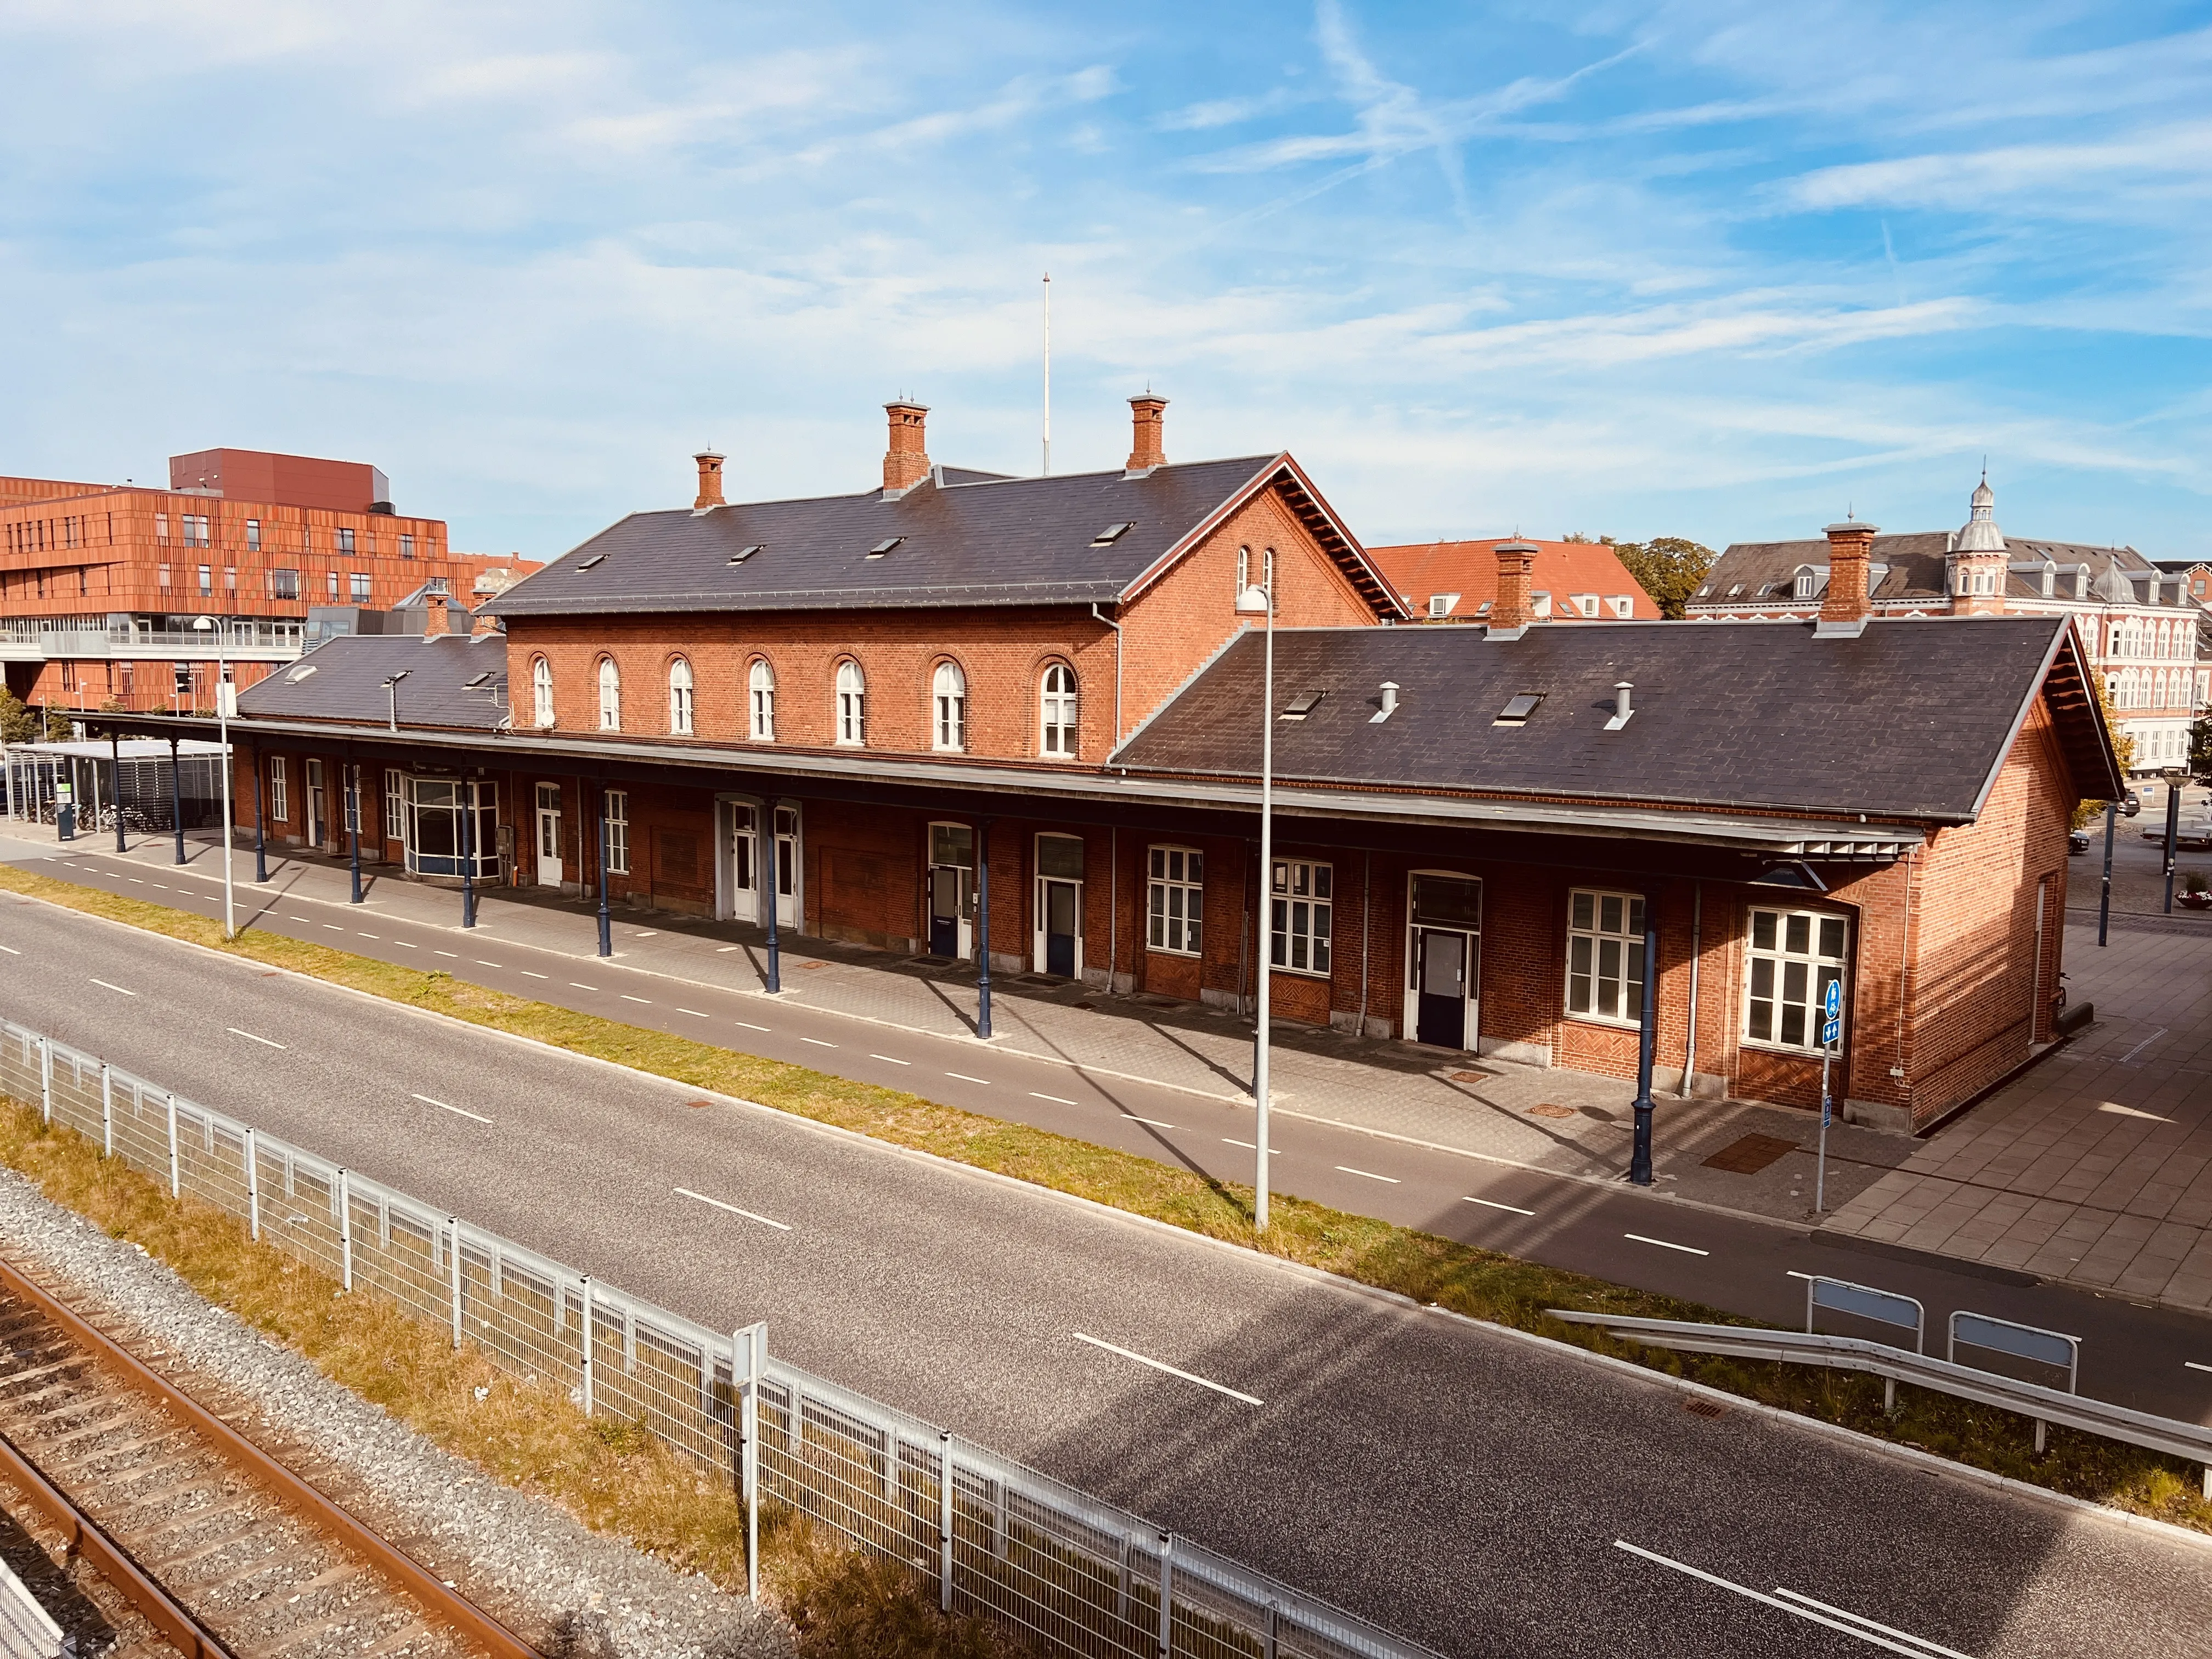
(1482,1284)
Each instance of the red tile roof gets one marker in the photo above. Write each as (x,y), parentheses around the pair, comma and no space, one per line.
(1563,569)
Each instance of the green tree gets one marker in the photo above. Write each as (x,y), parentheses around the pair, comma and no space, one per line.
(2200,749)
(18,723)
(1669,569)
(2124,747)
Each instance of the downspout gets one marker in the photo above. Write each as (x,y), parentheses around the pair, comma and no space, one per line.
(1903,966)
(1366,920)
(1690,1038)
(1116,627)
(1113,905)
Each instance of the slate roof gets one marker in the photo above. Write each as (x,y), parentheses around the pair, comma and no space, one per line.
(343,679)
(965,538)
(1908,721)
(1469,569)
(1916,561)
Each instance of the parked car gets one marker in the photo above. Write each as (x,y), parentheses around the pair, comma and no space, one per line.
(2077,840)
(2130,803)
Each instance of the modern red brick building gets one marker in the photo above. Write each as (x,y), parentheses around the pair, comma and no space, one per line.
(1568,581)
(1019,718)
(101,586)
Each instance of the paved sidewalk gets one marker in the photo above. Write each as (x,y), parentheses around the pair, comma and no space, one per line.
(1560,1122)
(2095,1167)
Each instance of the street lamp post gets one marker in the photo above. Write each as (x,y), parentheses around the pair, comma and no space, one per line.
(226,700)
(1259,600)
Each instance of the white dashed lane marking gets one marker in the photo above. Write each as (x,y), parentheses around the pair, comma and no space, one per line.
(964,1077)
(455,1110)
(104,985)
(1369,1175)
(1492,1204)
(1172,1370)
(780,1226)
(249,1037)
(1054,1099)
(892,1059)
(1687,1249)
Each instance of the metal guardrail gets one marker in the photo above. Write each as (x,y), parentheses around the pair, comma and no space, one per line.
(2189,1440)
(1073,1574)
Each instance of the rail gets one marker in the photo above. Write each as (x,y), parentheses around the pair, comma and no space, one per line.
(2189,1440)
(446,1605)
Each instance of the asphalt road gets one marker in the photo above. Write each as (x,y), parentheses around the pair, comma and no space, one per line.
(1466,1488)
(2148,1357)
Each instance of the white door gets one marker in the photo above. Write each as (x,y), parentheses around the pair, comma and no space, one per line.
(1057,948)
(318,815)
(741,863)
(786,867)
(549,834)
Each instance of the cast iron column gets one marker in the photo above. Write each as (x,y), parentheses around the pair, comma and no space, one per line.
(983,928)
(773,878)
(2105,902)
(468,851)
(115,747)
(1639,1164)
(176,800)
(607,920)
(2172,834)
(260,839)
(353,825)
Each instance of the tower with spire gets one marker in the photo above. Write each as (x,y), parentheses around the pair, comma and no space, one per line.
(1979,561)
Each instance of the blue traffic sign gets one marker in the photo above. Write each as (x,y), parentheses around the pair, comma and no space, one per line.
(1832,1005)
(1830,1030)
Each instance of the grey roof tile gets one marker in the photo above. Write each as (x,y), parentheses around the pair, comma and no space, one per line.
(343,679)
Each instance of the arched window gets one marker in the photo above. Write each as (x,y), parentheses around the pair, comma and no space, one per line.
(852,704)
(679,698)
(949,693)
(541,692)
(610,696)
(1804,582)
(760,686)
(1056,710)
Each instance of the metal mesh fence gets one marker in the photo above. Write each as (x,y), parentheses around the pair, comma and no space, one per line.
(1072,1574)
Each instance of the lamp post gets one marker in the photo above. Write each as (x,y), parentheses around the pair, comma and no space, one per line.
(225,702)
(1259,600)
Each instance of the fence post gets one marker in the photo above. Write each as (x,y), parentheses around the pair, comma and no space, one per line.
(1274,1626)
(747,1358)
(345,1228)
(453,1223)
(587,1283)
(945,1521)
(107,1112)
(46,1080)
(176,1181)
(252,1184)
(1167,1593)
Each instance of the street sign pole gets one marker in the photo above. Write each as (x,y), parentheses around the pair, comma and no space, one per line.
(1831,1027)
(2105,899)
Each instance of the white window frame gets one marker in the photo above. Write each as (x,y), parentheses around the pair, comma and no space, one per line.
(1442,604)
(1588,941)
(948,700)
(253,535)
(395,804)
(610,696)
(1301,903)
(852,705)
(760,697)
(617,801)
(681,685)
(1769,980)
(280,791)
(1174,900)
(1587,604)
(541,691)
(1057,709)
(1624,605)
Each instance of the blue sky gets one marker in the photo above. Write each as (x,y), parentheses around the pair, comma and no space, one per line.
(1717,270)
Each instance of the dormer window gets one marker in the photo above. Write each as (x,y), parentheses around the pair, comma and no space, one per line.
(2049,581)
(1540,603)
(1586,604)
(1805,581)
(1442,605)
(1624,605)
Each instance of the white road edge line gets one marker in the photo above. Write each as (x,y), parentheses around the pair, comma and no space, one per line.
(455,1110)
(891,1060)
(1887,1630)
(1920,1651)
(249,1037)
(103,984)
(780,1226)
(1687,1249)
(10,950)
(1161,1365)
(1492,1204)
(1054,1099)
(1345,1168)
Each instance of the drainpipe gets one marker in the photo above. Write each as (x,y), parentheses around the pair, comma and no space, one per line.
(1690,1038)
(1113,904)
(983,929)
(1366,922)
(1116,627)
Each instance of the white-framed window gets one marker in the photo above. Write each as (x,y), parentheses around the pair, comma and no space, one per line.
(679,698)
(1174,899)
(395,804)
(280,790)
(253,535)
(1244,570)
(610,696)
(1605,956)
(1795,954)
(1299,901)
(760,692)
(207,582)
(1624,605)
(1442,605)
(617,832)
(948,692)
(852,704)
(541,691)
(330,580)
(1587,604)
(1056,709)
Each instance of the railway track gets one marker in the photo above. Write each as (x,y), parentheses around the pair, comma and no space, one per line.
(216,1545)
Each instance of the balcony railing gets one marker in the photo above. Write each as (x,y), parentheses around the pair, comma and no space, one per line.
(39,634)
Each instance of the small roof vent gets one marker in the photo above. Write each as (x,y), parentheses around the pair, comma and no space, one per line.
(1517,710)
(302,671)
(744,553)
(884,546)
(596,558)
(1112,533)
(1303,705)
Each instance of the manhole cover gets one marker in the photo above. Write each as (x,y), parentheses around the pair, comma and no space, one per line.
(1751,1154)
(810,966)
(1470,1077)
(1549,1110)
(1704,1407)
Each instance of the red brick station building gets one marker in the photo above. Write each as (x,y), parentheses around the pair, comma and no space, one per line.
(967,714)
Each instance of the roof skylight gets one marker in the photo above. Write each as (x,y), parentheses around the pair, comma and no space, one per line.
(303,671)
(1303,705)
(1112,533)
(884,546)
(596,558)
(744,553)
(1517,710)
(476,680)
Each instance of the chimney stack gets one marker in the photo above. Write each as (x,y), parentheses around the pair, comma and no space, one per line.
(906,463)
(436,622)
(1850,545)
(710,480)
(1147,450)
(482,622)
(1510,612)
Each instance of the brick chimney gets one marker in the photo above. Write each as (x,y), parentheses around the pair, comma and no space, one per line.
(1851,543)
(482,622)
(436,622)
(906,463)
(1147,451)
(1510,611)
(710,479)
